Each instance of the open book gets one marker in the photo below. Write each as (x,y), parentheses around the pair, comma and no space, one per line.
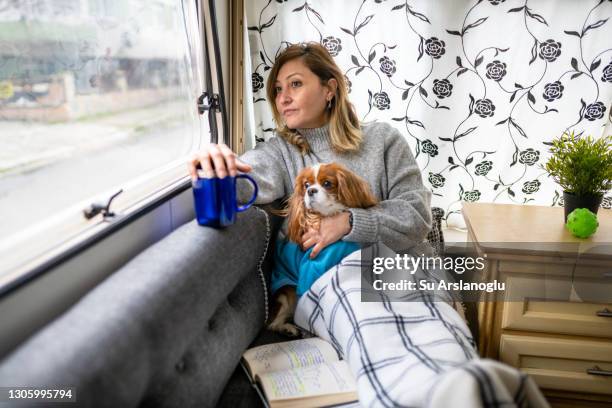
(300,373)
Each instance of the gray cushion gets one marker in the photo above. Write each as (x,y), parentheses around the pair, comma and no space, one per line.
(165,330)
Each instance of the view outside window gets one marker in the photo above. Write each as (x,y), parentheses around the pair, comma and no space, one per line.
(93,93)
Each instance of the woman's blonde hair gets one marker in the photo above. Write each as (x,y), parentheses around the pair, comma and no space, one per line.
(344,130)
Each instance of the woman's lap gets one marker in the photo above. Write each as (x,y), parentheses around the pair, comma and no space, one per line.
(389,344)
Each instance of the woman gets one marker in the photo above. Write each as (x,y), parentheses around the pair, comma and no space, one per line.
(316,123)
(398,351)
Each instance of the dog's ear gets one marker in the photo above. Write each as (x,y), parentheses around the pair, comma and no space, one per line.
(297,211)
(353,191)
(283,211)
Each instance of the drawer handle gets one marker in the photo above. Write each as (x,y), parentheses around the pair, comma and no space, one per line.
(598,371)
(604,313)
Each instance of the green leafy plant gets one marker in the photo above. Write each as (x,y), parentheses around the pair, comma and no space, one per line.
(581,165)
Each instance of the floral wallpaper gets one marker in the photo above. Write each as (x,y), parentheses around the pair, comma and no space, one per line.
(478,88)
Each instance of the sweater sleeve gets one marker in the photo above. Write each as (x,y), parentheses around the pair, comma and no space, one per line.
(403,218)
(269,172)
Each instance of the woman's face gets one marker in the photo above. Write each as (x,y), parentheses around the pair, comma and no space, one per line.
(301,99)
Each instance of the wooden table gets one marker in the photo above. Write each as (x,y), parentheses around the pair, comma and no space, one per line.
(565,345)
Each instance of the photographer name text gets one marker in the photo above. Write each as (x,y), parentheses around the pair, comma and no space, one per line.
(425,284)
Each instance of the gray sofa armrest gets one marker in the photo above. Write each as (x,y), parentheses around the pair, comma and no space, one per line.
(167,329)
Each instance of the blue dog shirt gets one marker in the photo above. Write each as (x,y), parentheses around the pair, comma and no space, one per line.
(294,267)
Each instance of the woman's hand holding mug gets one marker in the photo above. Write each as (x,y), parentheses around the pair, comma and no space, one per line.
(216,160)
(214,191)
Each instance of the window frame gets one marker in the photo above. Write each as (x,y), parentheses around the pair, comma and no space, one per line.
(40,248)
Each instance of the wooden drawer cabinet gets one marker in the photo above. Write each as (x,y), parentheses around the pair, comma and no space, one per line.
(565,344)
(561,364)
(564,317)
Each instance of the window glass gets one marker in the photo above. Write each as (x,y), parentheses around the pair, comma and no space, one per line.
(93,93)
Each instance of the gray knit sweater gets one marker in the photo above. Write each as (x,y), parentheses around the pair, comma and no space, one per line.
(401,220)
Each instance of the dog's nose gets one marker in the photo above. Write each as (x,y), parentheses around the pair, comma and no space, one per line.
(312,191)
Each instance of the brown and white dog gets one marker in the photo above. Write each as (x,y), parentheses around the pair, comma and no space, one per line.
(320,191)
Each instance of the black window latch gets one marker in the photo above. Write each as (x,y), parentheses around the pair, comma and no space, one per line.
(97,208)
(212,103)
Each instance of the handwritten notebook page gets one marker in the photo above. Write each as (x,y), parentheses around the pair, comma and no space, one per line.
(287,355)
(321,379)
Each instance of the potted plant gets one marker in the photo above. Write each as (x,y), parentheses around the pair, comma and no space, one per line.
(583,168)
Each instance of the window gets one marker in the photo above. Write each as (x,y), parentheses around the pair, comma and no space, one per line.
(95,96)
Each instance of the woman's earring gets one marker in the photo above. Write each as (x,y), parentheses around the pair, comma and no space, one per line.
(329,104)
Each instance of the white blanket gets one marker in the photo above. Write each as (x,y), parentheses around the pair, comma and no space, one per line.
(409,353)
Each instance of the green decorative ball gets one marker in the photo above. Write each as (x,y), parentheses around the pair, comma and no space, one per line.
(582,223)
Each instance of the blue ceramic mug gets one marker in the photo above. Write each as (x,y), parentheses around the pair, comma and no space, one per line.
(215,200)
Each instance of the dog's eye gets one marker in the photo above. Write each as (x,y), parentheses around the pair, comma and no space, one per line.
(306,184)
(327,184)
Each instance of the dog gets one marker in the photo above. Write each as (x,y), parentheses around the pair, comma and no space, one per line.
(320,191)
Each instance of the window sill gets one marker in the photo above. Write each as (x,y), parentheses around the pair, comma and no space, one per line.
(52,241)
